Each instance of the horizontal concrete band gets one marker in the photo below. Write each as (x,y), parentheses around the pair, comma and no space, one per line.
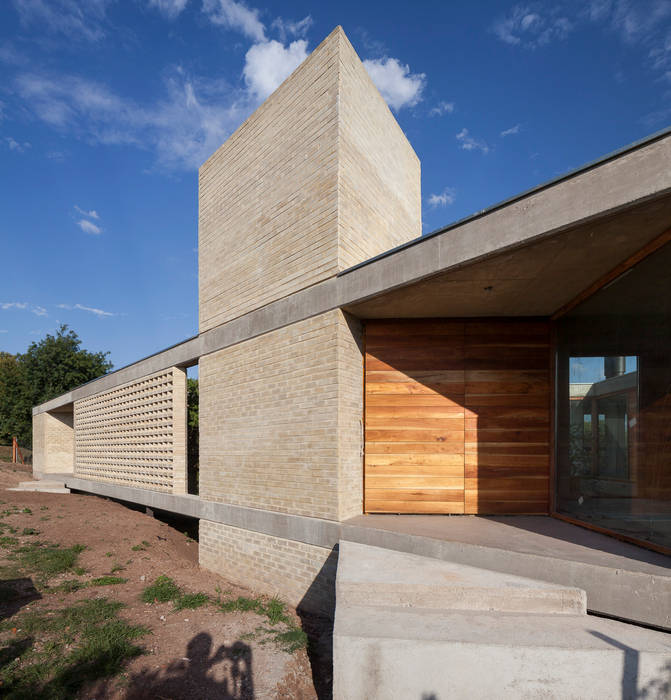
(314,531)
(630,179)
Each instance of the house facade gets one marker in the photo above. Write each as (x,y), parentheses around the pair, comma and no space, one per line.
(515,363)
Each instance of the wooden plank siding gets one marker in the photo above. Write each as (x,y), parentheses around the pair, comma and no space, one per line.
(457,416)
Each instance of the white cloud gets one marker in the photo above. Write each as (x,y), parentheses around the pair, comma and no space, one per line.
(633,21)
(268,64)
(532,25)
(511,131)
(287,28)
(89,227)
(641,23)
(2,330)
(73,18)
(80,307)
(444,199)
(24,306)
(468,143)
(93,214)
(441,108)
(169,8)
(193,119)
(236,16)
(399,87)
(14,145)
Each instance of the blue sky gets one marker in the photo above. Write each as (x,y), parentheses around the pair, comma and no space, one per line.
(108,107)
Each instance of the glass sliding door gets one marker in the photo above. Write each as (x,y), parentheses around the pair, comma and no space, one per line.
(614,405)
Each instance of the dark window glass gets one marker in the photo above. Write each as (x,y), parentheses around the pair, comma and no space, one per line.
(614,405)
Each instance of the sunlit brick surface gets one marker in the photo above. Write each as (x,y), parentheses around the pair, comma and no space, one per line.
(134,435)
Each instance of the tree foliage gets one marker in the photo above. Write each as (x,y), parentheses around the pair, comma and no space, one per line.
(54,365)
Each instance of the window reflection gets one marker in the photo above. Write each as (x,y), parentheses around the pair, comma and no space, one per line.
(614,405)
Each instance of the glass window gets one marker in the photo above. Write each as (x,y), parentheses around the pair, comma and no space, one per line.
(614,405)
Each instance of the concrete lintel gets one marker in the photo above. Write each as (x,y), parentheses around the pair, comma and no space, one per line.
(314,531)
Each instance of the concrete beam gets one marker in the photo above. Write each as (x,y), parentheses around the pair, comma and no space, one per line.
(314,531)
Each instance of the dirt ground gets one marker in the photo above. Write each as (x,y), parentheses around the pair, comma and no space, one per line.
(199,653)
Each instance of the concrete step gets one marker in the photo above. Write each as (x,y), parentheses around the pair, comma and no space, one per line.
(396,653)
(43,486)
(383,577)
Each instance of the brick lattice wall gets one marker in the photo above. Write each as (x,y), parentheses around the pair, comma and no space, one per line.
(135,435)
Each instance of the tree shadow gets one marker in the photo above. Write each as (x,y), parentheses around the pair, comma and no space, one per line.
(194,676)
(14,594)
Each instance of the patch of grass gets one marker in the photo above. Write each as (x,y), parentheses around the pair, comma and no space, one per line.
(107,581)
(72,585)
(79,644)
(30,531)
(44,507)
(47,560)
(290,640)
(117,567)
(44,518)
(8,542)
(27,511)
(109,554)
(191,601)
(164,589)
(283,630)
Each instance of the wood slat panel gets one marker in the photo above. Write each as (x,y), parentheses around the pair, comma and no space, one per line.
(457,410)
(433,507)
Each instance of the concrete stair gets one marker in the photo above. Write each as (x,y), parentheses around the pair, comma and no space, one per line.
(43,486)
(408,626)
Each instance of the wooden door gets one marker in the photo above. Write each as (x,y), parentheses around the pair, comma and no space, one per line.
(457,416)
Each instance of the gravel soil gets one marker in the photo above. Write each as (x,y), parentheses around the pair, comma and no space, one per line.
(201,653)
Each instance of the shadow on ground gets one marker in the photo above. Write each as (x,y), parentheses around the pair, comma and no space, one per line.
(224,673)
(14,594)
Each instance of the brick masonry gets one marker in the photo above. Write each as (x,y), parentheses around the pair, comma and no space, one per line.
(135,434)
(280,420)
(319,178)
(53,443)
(300,573)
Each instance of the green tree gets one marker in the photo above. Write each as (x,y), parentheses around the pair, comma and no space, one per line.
(12,398)
(50,367)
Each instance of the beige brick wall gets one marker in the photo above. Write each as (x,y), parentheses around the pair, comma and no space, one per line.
(301,574)
(319,178)
(135,434)
(379,189)
(53,443)
(280,420)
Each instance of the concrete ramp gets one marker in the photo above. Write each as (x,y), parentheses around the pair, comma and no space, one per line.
(407,626)
(377,576)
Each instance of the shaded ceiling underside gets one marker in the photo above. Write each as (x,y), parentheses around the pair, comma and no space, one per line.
(533,280)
